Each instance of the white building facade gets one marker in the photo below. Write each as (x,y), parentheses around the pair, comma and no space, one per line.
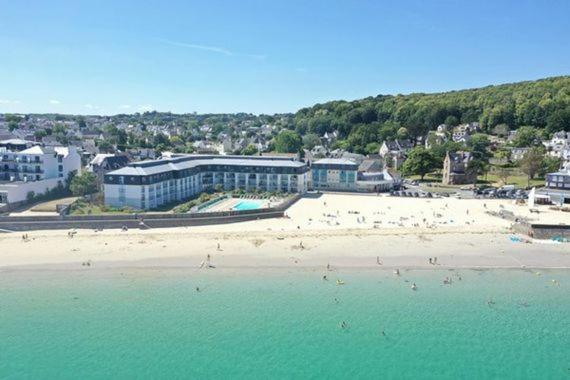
(36,169)
(150,184)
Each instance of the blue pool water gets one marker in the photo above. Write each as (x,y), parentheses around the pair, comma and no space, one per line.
(248,205)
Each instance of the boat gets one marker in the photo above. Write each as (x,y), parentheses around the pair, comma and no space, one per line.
(339,282)
(414,286)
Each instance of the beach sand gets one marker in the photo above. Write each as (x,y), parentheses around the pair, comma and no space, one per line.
(337,229)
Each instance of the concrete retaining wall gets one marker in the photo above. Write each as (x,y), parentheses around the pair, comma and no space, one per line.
(162,220)
(549,231)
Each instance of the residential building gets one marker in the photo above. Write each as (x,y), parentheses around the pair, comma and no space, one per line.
(395,147)
(36,169)
(455,169)
(558,185)
(559,145)
(373,177)
(149,184)
(559,179)
(517,154)
(105,162)
(394,152)
(334,174)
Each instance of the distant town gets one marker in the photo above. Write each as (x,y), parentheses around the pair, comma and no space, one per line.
(167,159)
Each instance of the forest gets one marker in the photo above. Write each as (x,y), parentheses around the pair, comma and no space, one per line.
(543,104)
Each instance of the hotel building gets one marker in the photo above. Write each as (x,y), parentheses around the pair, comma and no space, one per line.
(150,184)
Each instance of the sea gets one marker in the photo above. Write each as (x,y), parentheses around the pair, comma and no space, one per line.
(155,323)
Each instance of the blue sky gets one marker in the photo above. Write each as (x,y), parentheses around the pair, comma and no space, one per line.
(108,57)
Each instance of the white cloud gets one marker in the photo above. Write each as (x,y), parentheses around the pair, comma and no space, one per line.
(54,101)
(91,106)
(9,102)
(145,108)
(124,106)
(213,49)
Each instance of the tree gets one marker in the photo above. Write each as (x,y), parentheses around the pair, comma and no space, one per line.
(12,126)
(402,133)
(479,145)
(288,142)
(372,148)
(249,150)
(532,162)
(503,173)
(501,130)
(83,184)
(550,164)
(420,162)
(525,137)
(104,146)
(476,167)
(58,129)
(451,121)
(311,140)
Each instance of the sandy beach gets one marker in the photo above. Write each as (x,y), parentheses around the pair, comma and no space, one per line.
(337,229)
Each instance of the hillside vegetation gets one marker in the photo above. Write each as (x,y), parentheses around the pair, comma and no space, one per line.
(542,103)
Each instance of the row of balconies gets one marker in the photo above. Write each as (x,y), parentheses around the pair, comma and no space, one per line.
(20,170)
(21,160)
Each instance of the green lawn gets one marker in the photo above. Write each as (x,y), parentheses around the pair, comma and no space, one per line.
(82,207)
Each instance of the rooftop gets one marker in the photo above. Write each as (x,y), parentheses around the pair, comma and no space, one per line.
(334,161)
(191,161)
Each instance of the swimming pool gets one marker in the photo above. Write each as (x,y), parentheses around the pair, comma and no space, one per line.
(248,205)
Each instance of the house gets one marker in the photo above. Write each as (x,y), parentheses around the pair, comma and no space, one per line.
(104,163)
(558,145)
(461,136)
(141,154)
(395,152)
(329,138)
(435,138)
(395,147)
(319,151)
(455,169)
(517,154)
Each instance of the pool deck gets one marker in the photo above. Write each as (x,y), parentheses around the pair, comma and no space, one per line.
(230,204)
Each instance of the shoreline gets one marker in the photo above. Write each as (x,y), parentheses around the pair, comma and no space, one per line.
(345,231)
(261,251)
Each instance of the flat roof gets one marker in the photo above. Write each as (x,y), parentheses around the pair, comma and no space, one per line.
(175,163)
(335,161)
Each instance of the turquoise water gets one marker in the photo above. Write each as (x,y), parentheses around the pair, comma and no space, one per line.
(248,205)
(283,324)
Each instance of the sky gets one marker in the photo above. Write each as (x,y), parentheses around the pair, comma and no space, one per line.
(271,56)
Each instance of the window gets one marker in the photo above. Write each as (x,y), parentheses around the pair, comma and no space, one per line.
(60,168)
